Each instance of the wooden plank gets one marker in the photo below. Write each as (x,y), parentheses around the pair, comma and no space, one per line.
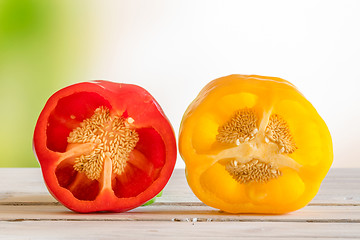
(28,211)
(25,185)
(325,214)
(170,230)
(340,186)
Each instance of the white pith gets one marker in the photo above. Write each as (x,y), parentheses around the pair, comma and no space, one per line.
(258,146)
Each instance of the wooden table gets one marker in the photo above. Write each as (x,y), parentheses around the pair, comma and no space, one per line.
(27,211)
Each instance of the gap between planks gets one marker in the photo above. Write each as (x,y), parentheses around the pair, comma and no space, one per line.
(192,220)
(308,214)
(190,204)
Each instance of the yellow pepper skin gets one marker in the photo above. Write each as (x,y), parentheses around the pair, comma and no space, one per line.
(254,144)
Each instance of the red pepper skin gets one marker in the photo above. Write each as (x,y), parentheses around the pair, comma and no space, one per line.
(65,110)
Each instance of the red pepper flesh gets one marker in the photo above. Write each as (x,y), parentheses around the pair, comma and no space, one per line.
(104,146)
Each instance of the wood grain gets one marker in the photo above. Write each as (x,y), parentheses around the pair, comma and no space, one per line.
(28,211)
(324,214)
(176,230)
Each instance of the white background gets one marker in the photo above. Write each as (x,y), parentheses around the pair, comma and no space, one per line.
(173,48)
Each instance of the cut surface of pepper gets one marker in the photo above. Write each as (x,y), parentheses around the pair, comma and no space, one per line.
(104,146)
(259,151)
(254,144)
(111,138)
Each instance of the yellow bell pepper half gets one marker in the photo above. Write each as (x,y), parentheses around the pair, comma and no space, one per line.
(254,144)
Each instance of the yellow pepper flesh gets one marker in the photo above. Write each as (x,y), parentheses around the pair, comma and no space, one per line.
(254,144)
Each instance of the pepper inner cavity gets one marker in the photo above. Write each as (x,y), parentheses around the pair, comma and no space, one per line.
(259,153)
(113,138)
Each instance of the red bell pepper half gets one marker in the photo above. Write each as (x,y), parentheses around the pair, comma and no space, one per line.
(104,146)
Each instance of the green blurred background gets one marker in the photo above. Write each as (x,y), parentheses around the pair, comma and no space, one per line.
(172,49)
(42,48)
